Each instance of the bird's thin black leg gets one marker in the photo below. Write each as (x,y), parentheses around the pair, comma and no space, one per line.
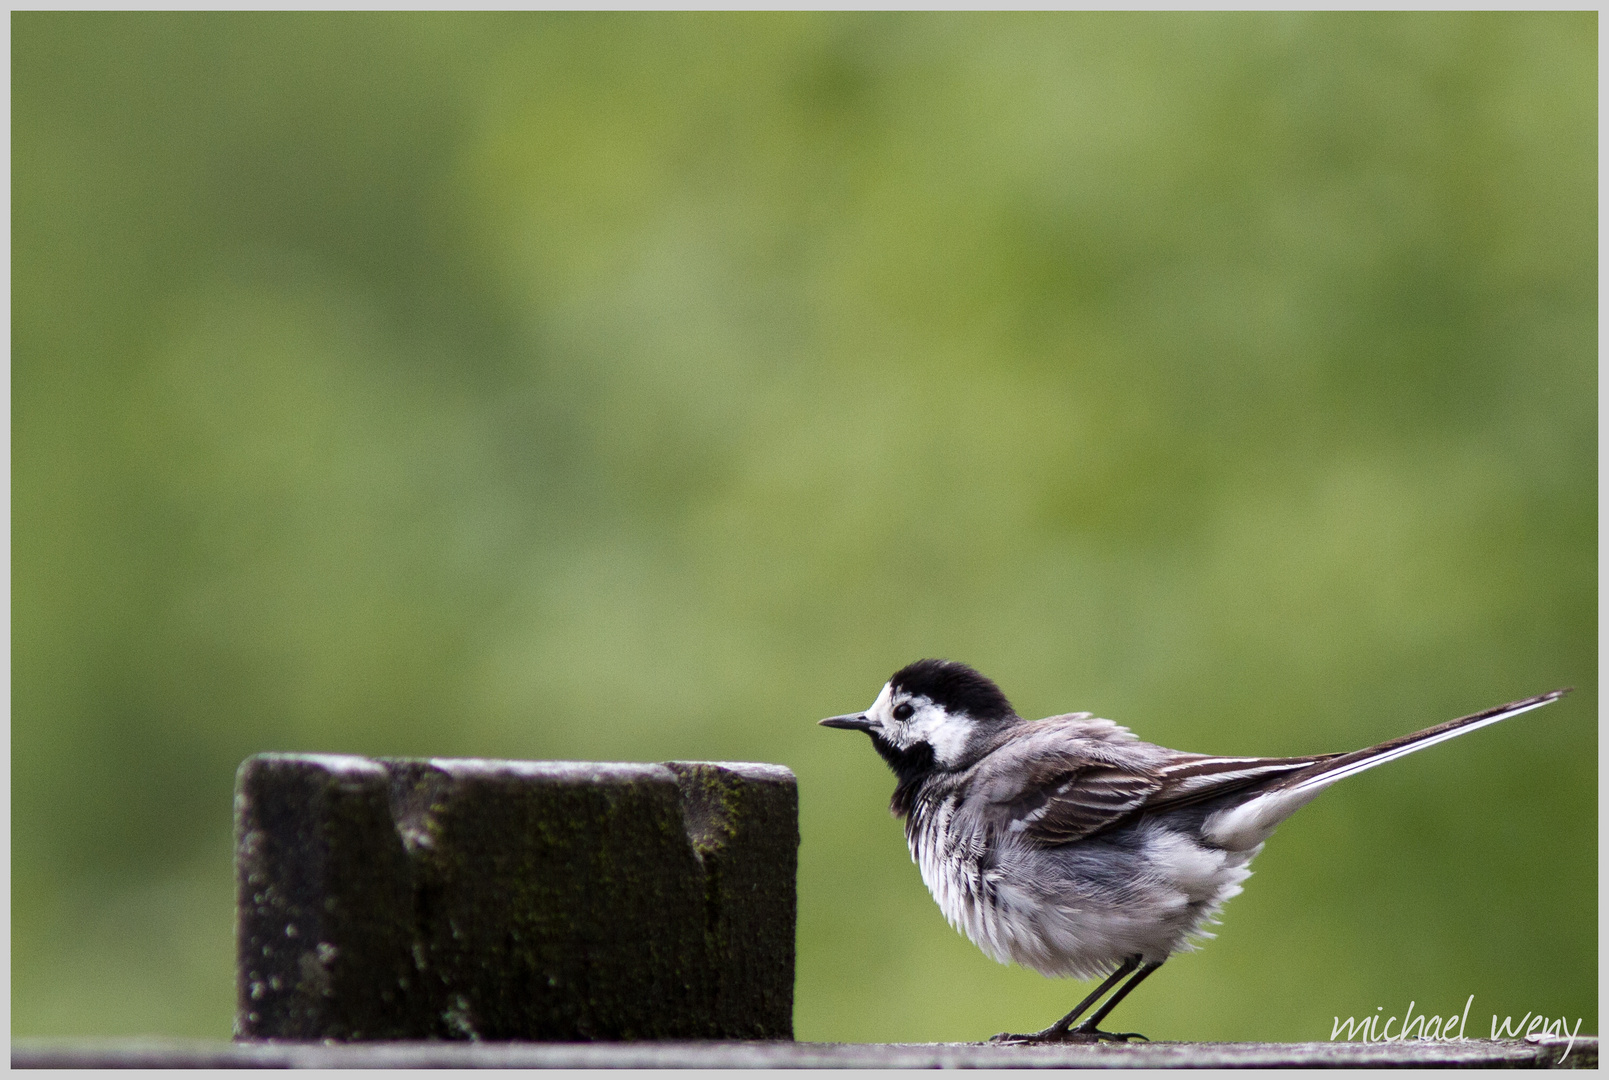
(1089,1028)
(1058,1030)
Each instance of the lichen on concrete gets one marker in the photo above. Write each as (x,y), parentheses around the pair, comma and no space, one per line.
(516,900)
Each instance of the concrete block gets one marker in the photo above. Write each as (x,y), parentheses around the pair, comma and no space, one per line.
(468,899)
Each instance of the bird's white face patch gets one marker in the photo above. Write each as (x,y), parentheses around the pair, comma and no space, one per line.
(947,733)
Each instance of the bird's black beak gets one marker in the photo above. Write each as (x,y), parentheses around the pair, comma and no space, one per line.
(852,721)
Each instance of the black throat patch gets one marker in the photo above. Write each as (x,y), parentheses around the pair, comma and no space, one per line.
(910,767)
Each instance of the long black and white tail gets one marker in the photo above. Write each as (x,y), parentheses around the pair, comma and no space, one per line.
(1250,823)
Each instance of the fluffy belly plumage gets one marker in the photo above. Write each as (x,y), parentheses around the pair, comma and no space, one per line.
(1070,910)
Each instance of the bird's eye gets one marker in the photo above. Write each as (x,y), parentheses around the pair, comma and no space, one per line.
(903,711)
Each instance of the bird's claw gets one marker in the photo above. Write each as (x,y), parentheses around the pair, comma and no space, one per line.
(1072,1035)
(1113,1036)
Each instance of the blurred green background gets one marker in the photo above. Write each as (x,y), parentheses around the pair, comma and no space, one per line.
(640,387)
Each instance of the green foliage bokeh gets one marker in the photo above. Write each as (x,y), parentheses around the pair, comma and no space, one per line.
(645,387)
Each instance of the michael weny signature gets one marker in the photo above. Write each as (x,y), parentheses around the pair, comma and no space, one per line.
(1533,1027)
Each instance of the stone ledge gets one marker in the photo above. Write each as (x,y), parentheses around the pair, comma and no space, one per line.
(179,1054)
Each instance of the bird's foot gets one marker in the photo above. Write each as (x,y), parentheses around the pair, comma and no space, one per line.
(1066,1035)
(1096,1035)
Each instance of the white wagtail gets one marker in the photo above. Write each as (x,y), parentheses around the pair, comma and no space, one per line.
(1070,846)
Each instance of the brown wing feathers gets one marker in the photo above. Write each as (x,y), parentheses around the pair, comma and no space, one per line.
(1070,804)
(1063,798)
(1067,799)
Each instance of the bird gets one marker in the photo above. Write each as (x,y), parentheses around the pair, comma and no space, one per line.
(1069,846)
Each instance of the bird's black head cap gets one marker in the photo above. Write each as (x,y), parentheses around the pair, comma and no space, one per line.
(956,687)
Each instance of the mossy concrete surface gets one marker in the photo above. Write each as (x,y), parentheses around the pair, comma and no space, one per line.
(497,900)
